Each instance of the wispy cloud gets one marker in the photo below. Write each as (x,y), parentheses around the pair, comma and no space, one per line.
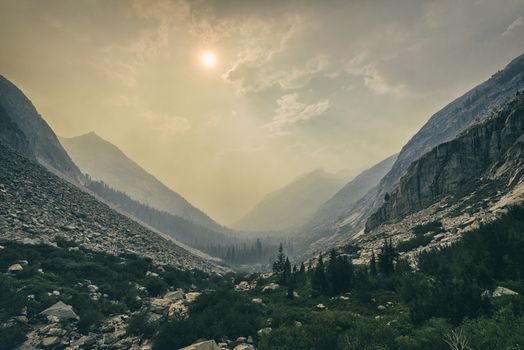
(518,23)
(290,111)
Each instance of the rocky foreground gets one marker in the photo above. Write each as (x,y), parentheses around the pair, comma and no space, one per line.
(37,206)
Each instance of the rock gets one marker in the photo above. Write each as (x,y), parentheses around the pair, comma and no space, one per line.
(241,339)
(50,341)
(61,311)
(174,296)
(257,300)
(55,331)
(159,305)
(204,345)
(92,288)
(501,291)
(242,286)
(297,324)
(14,268)
(192,296)
(264,331)
(244,347)
(55,293)
(271,286)
(381,308)
(321,307)
(22,319)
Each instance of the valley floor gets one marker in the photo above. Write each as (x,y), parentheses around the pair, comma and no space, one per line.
(470,293)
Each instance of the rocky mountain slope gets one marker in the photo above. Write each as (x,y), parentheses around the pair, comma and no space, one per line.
(467,110)
(103,161)
(454,188)
(342,201)
(40,207)
(293,204)
(40,141)
(483,163)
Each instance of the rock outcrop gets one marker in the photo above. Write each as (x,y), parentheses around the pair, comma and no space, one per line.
(464,112)
(485,161)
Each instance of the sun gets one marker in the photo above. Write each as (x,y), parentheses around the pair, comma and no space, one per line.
(208,59)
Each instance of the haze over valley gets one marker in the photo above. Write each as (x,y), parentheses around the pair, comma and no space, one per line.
(240,175)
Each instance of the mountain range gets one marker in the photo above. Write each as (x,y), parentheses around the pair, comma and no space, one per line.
(103,161)
(293,204)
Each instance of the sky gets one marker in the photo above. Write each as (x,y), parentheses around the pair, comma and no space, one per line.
(225,101)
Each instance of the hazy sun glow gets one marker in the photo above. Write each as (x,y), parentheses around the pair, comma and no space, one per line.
(208,59)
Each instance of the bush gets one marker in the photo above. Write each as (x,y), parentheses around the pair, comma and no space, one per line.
(155,286)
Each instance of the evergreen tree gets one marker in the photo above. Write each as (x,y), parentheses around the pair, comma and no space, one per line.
(286,277)
(373,264)
(278,265)
(318,281)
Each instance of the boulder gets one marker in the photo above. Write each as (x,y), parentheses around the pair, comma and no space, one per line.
(192,296)
(381,308)
(15,268)
(203,345)
(321,307)
(244,347)
(61,311)
(264,331)
(175,296)
(501,291)
(92,288)
(48,342)
(257,300)
(243,285)
(271,286)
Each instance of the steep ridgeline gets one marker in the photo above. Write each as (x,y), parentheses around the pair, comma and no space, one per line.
(184,231)
(293,204)
(481,165)
(19,116)
(105,162)
(37,206)
(342,202)
(465,111)
(446,124)
(11,135)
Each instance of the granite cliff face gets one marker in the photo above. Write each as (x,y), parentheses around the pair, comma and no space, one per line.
(483,162)
(464,112)
(21,117)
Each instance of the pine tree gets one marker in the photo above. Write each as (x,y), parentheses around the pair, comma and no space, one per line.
(278,265)
(318,281)
(286,274)
(373,264)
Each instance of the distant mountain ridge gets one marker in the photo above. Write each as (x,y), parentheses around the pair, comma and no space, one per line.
(292,205)
(105,162)
(20,117)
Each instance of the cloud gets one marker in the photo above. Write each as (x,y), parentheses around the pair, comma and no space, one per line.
(518,23)
(290,111)
(366,68)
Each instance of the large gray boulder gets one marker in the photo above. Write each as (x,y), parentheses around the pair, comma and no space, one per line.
(61,310)
(204,345)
